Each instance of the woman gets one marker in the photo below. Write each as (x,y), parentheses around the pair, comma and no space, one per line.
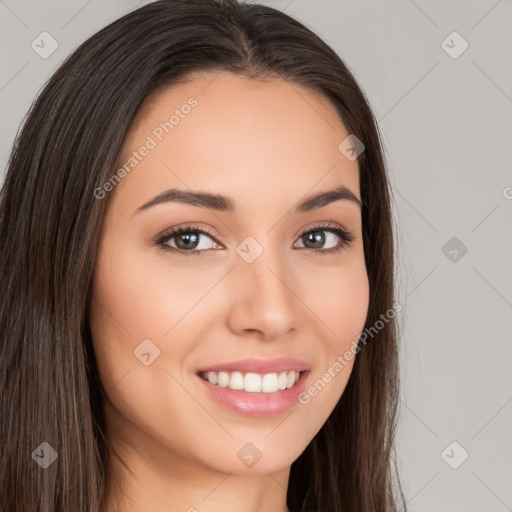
(197,270)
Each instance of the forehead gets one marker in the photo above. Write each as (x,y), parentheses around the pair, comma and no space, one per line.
(226,133)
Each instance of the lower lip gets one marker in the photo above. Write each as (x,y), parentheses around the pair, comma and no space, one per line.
(256,404)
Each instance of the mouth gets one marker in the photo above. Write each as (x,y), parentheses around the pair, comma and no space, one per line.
(255,387)
(251,382)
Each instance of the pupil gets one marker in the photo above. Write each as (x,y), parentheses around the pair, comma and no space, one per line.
(316,237)
(188,239)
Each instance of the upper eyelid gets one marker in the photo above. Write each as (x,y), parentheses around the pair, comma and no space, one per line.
(171,233)
(324,225)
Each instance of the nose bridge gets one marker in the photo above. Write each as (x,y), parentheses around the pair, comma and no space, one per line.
(264,298)
(262,268)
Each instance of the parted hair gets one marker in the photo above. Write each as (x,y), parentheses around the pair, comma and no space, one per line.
(50,223)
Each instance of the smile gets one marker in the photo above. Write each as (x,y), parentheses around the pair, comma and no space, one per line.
(253,382)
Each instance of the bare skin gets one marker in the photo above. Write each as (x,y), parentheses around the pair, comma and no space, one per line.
(268,146)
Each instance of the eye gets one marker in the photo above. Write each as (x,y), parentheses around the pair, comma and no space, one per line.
(191,240)
(317,239)
(187,240)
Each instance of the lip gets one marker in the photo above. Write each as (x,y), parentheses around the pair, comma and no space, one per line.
(255,404)
(259,365)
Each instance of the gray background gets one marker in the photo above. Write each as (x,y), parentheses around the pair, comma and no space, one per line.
(447,126)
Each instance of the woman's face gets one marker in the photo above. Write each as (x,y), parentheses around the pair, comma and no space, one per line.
(244,283)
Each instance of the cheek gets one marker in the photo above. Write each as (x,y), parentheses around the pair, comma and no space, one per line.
(340,298)
(126,309)
(133,301)
(347,308)
(145,296)
(138,298)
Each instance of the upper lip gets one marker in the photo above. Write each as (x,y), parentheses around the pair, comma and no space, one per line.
(259,365)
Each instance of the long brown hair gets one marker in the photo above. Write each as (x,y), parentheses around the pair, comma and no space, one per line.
(50,222)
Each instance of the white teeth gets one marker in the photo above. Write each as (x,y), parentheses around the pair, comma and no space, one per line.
(269,383)
(223,379)
(236,381)
(253,382)
(281,384)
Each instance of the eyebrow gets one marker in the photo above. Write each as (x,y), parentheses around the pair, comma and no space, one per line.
(227,204)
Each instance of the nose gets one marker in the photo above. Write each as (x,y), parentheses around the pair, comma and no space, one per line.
(263,297)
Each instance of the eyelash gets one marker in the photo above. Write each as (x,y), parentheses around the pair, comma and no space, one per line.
(345,236)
